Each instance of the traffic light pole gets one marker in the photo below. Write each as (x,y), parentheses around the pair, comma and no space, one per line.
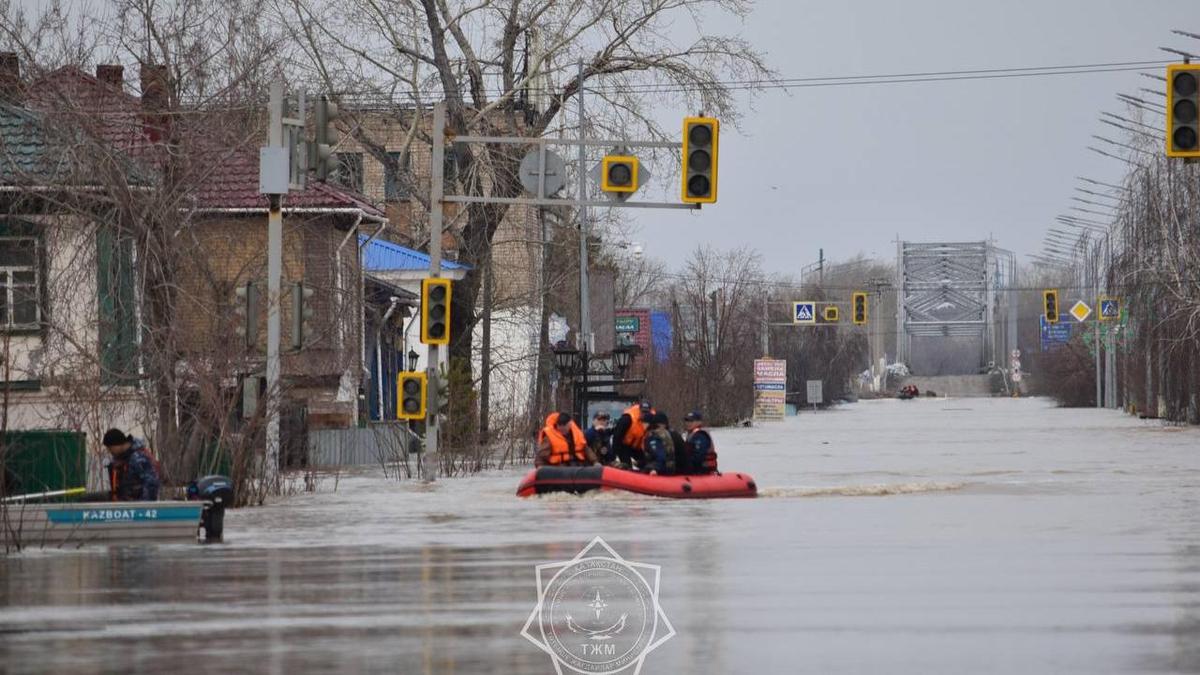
(274,272)
(437,191)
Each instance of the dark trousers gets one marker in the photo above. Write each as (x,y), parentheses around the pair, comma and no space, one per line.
(630,456)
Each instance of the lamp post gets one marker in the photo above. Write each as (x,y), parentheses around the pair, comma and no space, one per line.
(412,360)
(576,364)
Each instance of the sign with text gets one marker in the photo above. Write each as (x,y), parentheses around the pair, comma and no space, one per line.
(770,389)
(628,324)
(1054,335)
(816,394)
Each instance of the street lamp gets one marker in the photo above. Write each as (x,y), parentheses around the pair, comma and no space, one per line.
(412,360)
(622,357)
(565,359)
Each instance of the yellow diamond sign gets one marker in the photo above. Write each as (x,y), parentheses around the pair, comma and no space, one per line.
(1081,311)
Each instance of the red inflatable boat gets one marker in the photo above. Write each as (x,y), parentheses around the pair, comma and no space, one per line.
(577,479)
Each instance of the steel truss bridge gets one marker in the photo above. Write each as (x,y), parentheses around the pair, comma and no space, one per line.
(956,290)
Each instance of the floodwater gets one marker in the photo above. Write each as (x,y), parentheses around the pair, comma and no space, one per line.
(970,535)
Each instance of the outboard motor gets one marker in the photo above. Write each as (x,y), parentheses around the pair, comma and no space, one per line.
(217,493)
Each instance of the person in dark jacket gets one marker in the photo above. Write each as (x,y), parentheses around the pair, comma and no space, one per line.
(132,473)
(629,435)
(659,447)
(599,438)
(699,446)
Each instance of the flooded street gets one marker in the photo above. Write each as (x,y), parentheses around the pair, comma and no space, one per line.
(972,535)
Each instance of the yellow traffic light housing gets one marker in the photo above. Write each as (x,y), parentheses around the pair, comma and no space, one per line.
(1183,110)
(700,136)
(859,308)
(435,311)
(410,396)
(619,173)
(831,314)
(1050,305)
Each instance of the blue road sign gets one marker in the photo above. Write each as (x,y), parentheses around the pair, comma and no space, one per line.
(804,312)
(1055,335)
(1110,308)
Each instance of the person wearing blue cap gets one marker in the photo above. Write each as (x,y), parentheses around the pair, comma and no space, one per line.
(700,449)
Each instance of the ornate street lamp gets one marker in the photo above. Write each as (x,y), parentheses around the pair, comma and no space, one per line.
(566,359)
(622,358)
(412,360)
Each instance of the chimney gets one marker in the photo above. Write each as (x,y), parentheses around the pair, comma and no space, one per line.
(10,76)
(112,75)
(154,81)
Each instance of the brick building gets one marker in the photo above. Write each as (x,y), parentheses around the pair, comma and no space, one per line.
(87,272)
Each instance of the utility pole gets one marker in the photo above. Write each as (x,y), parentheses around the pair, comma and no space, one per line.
(274,271)
(436,194)
(766,327)
(585,319)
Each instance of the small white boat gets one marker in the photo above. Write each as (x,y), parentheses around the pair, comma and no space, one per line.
(81,523)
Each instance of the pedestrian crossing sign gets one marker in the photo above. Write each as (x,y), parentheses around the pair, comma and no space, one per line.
(804,312)
(1110,308)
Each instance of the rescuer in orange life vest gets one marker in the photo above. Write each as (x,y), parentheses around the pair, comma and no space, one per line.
(561,443)
(630,433)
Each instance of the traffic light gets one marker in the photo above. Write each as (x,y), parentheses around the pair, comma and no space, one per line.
(619,173)
(700,160)
(860,308)
(410,395)
(246,309)
(1183,106)
(326,114)
(435,311)
(301,313)
(831,314)
(1050,303)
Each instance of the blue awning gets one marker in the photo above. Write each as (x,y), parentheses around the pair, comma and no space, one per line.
(384,256)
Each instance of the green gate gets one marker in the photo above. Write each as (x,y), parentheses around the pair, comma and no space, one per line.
(43,461)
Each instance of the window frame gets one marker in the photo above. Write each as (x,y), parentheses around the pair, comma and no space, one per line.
(8,323)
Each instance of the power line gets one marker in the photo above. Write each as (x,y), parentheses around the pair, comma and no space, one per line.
(818,81)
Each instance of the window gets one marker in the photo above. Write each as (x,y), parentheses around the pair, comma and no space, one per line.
(20,290)
(394,188)
(348,171)
(118,312)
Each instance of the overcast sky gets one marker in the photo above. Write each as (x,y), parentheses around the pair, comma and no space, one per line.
(850,168)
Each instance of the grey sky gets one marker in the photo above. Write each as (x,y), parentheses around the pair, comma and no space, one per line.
(849,168)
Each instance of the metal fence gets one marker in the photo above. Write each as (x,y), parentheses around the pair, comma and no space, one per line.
(387,444)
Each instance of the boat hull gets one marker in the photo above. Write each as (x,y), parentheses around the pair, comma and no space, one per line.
(77,524)
(581,479)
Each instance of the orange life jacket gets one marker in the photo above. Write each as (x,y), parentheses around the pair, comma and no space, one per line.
(559,452)
(637,428)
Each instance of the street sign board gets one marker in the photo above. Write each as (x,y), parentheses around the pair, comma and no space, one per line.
(770,389)
(1110,308)
(1081,311)
(530,172)
(1054,335)
(815,393)
(627,324)
(804,311)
